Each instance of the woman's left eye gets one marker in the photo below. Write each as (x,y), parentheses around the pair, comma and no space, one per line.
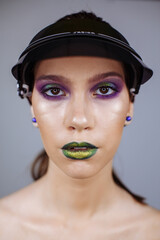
(109,89)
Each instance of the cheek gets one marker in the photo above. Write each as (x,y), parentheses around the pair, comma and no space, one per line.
(49,118)
(111,121)
(113,113)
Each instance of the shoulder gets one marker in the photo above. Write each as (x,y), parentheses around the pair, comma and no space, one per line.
(21,201)
(152,219)
(7,220)
(148,222)
(15,210)
(141,219)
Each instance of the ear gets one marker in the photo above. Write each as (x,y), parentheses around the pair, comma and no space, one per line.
(35,124)
(129,114)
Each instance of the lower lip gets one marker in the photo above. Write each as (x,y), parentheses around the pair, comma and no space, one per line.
(79,154)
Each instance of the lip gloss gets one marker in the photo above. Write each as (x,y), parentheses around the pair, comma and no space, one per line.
(79,151)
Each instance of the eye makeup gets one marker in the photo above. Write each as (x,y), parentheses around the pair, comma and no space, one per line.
(104,88)
(51,90)
(108,88)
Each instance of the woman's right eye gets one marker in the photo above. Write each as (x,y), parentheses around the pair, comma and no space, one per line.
(54,91)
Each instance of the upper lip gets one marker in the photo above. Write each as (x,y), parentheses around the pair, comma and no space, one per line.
(78,146)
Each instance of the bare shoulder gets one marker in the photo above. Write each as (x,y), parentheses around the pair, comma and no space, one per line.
(8,218)
(141,219)
(22,200)
(14,202)
(152,217)
(14,210)
(148,221)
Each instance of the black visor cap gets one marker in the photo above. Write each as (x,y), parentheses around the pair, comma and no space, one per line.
(79,33)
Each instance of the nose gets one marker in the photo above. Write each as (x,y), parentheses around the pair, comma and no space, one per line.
(79,115)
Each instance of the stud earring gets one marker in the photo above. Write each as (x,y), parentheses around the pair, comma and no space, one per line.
(128,118)
(34,120)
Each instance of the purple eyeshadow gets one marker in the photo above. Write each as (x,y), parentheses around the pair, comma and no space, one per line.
(115,84)
(44,86)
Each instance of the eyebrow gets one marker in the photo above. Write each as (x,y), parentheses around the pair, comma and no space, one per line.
(57,78)
(95,78)
(100,76)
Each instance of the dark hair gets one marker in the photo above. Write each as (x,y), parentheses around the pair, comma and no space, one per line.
(40,164)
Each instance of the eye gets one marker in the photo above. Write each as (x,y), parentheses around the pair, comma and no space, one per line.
(54,91)
(105,89)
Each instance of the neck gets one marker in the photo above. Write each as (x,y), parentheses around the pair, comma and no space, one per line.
(79,197)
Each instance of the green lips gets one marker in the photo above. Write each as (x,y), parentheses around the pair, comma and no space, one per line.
(75,150)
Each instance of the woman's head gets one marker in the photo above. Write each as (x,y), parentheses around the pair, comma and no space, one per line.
(80,99)
(72,41)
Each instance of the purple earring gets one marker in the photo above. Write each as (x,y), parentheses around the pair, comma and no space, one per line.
(34,120)
(128,118)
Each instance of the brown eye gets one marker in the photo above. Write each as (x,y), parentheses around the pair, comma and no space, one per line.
(55,91)
(104,90)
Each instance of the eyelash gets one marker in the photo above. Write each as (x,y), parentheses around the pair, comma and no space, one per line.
(108,88)
(56,93)
(111,89)
(47,91)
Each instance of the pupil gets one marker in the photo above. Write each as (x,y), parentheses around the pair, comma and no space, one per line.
(104,89)
(55,91)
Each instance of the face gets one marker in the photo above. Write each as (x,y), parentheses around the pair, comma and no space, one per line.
(80,104)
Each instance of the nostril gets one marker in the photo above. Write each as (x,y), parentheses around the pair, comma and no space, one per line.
(72,128)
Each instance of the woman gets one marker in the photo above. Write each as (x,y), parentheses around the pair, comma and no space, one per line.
(80,76)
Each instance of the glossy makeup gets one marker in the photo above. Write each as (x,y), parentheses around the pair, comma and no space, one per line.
(79,151)
(110,87)
(50,87)
(80,100)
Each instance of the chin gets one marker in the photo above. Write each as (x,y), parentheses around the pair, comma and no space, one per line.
(81,169)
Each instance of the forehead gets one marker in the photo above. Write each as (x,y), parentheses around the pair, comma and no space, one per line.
(70,66)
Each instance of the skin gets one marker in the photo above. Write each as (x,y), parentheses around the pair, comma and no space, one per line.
(77,199)
(80,116)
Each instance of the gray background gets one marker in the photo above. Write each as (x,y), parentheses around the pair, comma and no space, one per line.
(138,158)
